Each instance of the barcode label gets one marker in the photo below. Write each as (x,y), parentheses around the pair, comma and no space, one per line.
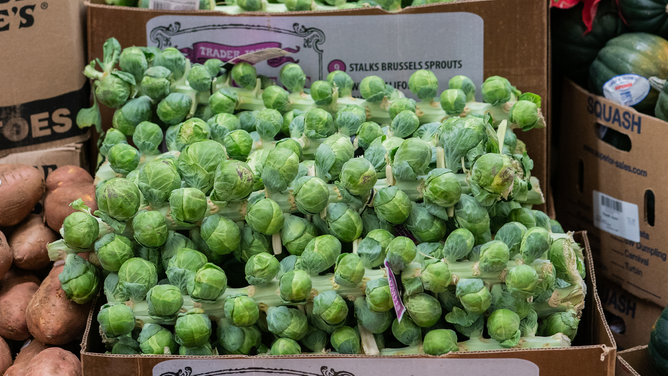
(174,4)
(616,216)
(627,89)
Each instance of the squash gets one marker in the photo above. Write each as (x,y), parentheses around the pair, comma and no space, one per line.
(649,16)
(573,50)
(638,53)
(661,109)
(658,344)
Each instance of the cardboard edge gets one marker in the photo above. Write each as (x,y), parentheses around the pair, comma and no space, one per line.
(624,364)
(48,145)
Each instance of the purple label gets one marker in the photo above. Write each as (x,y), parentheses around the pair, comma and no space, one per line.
(399,307)
(335,65)
(202,51)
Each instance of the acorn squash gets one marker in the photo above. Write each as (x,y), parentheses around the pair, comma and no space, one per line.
(658,344)
(649,16)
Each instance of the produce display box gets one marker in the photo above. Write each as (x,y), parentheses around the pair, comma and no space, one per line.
(635,362)
(630,318)
(474,38)
(623,191)
(42,53)
(594,354)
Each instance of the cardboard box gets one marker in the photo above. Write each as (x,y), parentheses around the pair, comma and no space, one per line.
(635,362)
(630,189)
(43,89)
(593,354)
(483,38)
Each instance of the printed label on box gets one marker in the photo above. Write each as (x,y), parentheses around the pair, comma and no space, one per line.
(616,217)
(173,4)
(627,89)
(323,44)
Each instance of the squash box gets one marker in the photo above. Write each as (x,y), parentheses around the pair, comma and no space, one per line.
(635,362)
(619,196)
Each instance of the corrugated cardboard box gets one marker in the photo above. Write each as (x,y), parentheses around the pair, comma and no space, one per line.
(635,362)
(508,38)
(593,354)
(43,88)
(625,192)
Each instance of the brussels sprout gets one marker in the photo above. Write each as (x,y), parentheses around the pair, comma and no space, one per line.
(464,84)
(287,322)
(208,283)
(295,286)
(565,323)
(192,328)
(123,158)
(323,93)
(174,108)
(114,90)
(238,340)
(156,83)
(343,222)
(367,132)
(241,310)
(112,290)
(349,119)
(238,144)
(135,277)
(474,295)
(400,252)
(424,226)
(392,205)
(261,269)
(188,205)
(375,322)
(172,59)
(442,188)
(224,101)
(250,5)
(132,114)
(555,227)
(522,280)
(118,198)
(404,124)
(285,346)
(198,351)
(297,233)
(492,178)
(400,105)
(79,279)
(268,123)
(424,84)
(373,89)
(411,159)
(523,216)
(370,222)
(494,256)
(157,179)
(221,124)
(318,123)
(133,61)
(265,216)
(372,249)
(535,243)
(293,78)
(150,228)
(440,341)
(471,215)
(435,275)
(280,169)
(458,137)
(331,155)
(311,194)
(148,137)
(175,242)
(503,326)
(542,220)
(164,301)
(126,345)
(275,97)
(298,5)
(80,230)
(193,131)
(496,90)
(154,339)
(113,250)
(111,138)
(342,81)
(116,320)
(424,309)
(221,235)
(349,270)
(233,181)
(200,78)
(183,266)
(247,120)
(252,243)
(345,340)
(406,331)
(453,101)
(214,66)
(320,254)
(378,295)
(511,233)
(315,339)
(358,176)
(525,114)
(244,74)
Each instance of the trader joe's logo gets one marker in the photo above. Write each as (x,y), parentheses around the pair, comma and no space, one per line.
(203,51)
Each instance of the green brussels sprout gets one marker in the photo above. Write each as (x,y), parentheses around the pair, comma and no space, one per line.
(370,222)
(113,250)
(373,89)
(285,346)
(318,123)
(287,322)
(331,155)
(555,227)
(404,124)
(323,93)
(252,243)
(288,118)
(156,83)
(525,114)
(392,205)
(298,5)
(345,340)
(565,323)
(295,286)
(250,5)
(208,283)
(116,320)
(114,90)
(522,280)
(524,216)
(135,277)
(424,226)
(192,328)
(183,266)
(214,66)
(154,339)
(156,181)
(290,144)
(448,299)
(440,341)
(470,215)
(349,270)
(123,158)
(561,255)
(175,242)
(474,295)
(256,161)
(423,309)
(133,61)
(112,290)
(367,133)
(372,249)
(268,123)
(464,84)
(244,74)
(241,310)
(311,194)
(378,295)
(542,220)
(200,78)
(496,90)
(164,301)
(126,345)
(435,275)
(222,124)
(247,120)
(503,326)
(275,97)
(400,252)
(406,331)
(350,118)
(400,105)
(503,298)
(224,101)
(192,131)
(315,339)
(188,205)
(331,307)
(494,256)
(265,216)
(296,233)
(458,136)
(458,245)
(152,255)
(80,230)
(148,137)
(280,169)
(288,264)
(424,84)
(261,269)
(150,228)
(221,235)
(342,81)
(238,144)
(411,159)
(320,254)
(535,243)
(293,78)
(512,234)
(453,101)
(172,59)
(127,118)
(358,176)
(375,322)
(174,108)
(442,188)
(492,178)
(197,351)
(118,198)
(343,222)
(238,340)
(111,138)
(79,279)
(233,181)
(203,112)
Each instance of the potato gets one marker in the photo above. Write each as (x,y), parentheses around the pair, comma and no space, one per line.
(5,356)
(22,361)
(54,361)
(16,291)
(51,317)
(28,243)
(6,256)
(63,186)
(21,188)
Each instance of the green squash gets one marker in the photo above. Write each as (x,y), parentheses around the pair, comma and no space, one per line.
(661,109)
(573,50)
(648,16)
(658,344)
(638,53)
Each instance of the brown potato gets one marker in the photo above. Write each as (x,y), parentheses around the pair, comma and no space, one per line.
(51,317)
(16,291)
(63,186)
(6,256)
(22,361)
(54,361)
(28,243)
(5,356)
(21,188)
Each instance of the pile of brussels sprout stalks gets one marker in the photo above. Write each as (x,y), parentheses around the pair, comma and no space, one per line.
(236,241)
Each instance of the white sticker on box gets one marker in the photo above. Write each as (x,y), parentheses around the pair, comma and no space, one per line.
(627,89)
(173,4)
(616,217)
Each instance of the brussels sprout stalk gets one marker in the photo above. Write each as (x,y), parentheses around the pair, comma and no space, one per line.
(484,344)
